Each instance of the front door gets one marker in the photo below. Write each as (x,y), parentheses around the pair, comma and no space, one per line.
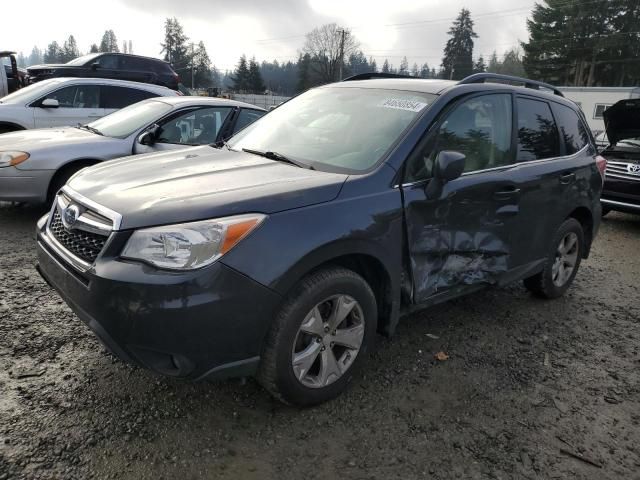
(461,235)
(78,104)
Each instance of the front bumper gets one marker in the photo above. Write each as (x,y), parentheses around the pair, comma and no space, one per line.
(24,185)
(209,323)
(621,194)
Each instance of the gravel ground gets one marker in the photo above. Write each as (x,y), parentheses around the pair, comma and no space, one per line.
(527,384)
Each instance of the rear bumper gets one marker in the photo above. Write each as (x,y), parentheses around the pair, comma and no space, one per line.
(24,185)
(204,324)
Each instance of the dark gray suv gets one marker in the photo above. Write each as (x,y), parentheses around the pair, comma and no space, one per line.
(283,252)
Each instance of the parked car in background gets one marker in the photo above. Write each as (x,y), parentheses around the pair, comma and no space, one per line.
(622,179)
(283,253)
(12,78)
(69,101)
(34,164)
(118,66)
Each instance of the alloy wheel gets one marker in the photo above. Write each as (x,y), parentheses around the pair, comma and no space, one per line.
(566,259)
(328,341)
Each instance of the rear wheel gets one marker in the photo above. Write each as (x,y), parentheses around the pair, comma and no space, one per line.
(605,210)
(320,338)
(562,262)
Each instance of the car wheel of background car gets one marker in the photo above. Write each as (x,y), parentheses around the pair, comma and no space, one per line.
(320,337)
(605,210)
(62,176)
(562,263)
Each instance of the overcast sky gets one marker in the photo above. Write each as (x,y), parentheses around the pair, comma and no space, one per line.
(268,29)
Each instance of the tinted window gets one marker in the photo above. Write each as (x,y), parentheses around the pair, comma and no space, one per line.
(134,63)
(573,133)
(195,127)
(246,117)
(479,127)
(537,131)
(107,61)
(81,96)
(120,97)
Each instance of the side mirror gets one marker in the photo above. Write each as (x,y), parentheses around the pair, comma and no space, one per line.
(449,165)
(95,66)
(147,138)
(50,103)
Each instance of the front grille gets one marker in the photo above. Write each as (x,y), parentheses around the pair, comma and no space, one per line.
(84,245)
(621,170)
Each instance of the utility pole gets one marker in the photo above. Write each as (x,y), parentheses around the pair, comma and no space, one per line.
(342,33)
(192,59)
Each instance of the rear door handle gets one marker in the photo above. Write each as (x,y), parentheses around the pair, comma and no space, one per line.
(567,178)
(506,194)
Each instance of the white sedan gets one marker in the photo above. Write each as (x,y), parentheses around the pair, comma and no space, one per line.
(35,164)
(70,101)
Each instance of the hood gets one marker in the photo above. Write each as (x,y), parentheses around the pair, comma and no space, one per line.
(46,66)
(622,120)
(36,139)
(199,183)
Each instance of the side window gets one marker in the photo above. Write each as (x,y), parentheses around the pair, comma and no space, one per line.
(573,133)
(120,97)
(246,118)
(107,61)
(81,96)
(537,131)
(480,128)
(133,63)
(194,127)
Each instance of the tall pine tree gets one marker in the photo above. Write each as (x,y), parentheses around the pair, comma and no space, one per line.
(458,53)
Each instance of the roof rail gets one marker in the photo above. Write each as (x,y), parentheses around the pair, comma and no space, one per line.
(498,78)
(372,75)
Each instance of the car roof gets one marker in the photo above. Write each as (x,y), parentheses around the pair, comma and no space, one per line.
(437,87)
(213,101)
(131,55)
(117,83)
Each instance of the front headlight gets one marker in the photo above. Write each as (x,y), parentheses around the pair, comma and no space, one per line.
(188,246)
(12,158)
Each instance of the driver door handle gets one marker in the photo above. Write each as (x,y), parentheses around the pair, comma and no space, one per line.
(506,193)
(567,178)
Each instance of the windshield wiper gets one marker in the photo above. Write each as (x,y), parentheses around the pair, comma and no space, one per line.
(91,129)
(278,157)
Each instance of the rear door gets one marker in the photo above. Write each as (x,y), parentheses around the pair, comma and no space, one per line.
(114,98)
(77,104)
(463,236)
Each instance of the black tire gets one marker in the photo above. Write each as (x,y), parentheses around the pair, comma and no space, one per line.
(542,284)
(276,373)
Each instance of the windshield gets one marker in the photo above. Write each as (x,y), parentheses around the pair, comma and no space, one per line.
(32,92)
(124,122)
(82,60)
(338,129)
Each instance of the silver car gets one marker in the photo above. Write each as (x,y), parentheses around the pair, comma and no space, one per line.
(35,164)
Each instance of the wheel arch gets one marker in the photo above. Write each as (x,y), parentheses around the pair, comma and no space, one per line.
(366,260)
(14,127)
(585,217)
(75,164)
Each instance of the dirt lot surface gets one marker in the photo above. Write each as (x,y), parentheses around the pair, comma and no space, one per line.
(527,384)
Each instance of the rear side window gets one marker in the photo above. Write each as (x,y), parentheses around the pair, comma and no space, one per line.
(573,133)
(537,131)
(120,97)
(246,117)
(133,63)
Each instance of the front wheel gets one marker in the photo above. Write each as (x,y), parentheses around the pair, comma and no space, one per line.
(319,338)
(562,262)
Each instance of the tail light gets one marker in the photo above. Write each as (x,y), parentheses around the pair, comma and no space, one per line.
(601,163)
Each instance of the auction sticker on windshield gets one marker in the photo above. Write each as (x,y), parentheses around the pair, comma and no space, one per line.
(402,104)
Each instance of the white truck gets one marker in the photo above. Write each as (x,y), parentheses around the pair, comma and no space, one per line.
(595,100)
(11,78)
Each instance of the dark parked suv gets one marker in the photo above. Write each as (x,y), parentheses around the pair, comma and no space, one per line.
(622,177)
(118,66)
(283,252)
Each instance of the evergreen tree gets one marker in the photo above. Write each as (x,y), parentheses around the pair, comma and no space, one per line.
(202,67)
(36,57)
(458,52)
(256,85)
(109,42)
(494,63)
(175,48)
(69,50)
(404,67)
(304,72)
(93,48)
(386,68)
(479,66)
(240,77)
(414,70)
(373,65)
(424,71)
(53,54)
